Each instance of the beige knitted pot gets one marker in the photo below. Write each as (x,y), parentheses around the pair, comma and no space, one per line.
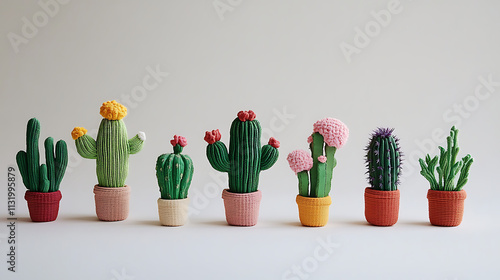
(112,204)
(173,212)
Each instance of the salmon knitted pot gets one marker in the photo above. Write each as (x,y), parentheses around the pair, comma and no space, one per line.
(112,204)
(173,212)
(381,207)
(43,207)
(446,208)
(242,209)
(313,211)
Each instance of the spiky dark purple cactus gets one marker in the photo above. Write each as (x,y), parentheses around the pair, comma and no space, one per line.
(383,160)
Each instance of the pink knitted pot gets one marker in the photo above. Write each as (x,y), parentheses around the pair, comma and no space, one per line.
(242,209)
(43,207)
(112,204)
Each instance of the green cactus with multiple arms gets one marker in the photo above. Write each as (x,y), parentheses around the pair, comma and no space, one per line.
(174,171)
(383,160)
(246,158)
(46,177)
(448,168)
(112,148)
(329,135)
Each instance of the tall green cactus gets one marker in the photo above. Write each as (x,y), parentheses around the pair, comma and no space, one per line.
(448,168)
(112,148)
(383,159)
(174,171)
(46,177)
(246,157)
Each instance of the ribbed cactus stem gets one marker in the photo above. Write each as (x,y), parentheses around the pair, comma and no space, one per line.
(303,177)
(33,159)
(174,173)
(383,160)
(317,146)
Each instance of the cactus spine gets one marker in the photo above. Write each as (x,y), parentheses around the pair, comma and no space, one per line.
(383,160)
(246,158)
(174,172)
(112,148)
(46,177)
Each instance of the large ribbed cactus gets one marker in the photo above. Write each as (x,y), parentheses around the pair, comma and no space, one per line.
(246,157)
(383,160)
(46,177)
(174,171)
(112,147)
(329,135)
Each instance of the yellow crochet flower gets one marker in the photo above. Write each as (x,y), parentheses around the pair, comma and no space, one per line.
(78,132)
(113,110)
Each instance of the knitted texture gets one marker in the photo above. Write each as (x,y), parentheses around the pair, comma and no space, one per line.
(242,209)
(173,212)
(446,208)
(300,160)
(112,204)
(381,207)
(246,158)
(313,211)
(43,207)
(334,131)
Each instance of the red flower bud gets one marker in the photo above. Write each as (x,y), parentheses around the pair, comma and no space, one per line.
(212,136)
(178,140)
(273,142)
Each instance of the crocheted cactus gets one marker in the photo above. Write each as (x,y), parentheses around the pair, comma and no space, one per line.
(46,177)
(448,167)
(383,160)
(112,148)
(328,136)
(246,158)
(174,171)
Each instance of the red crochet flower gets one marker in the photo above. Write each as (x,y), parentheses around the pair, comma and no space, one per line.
(178,140)
(273,142)
(246,115)
(212,136)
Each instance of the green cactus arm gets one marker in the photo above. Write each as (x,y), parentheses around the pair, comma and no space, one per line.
(187,176)
(49,159)
(464,172)
(136,143)
(86,147)
(61,162)
(316,147)
(321,192)
(44,184)
(269,156)
(22,163)
(303,183)
(161,175)
(331,162)
(218,156)
(394,161)
(428,174)
(32,154)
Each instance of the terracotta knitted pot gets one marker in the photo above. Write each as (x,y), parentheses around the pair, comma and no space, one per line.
(242,209)
(173,212)
(43,207)
(313,211)
(381,207)
(112,204)
(446,208)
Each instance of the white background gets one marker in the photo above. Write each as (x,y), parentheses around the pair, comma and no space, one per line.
(271,57)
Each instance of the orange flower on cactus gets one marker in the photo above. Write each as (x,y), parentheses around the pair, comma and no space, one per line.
(113,110)
(78,132)
(212,136)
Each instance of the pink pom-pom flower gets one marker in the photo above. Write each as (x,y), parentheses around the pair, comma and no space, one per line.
(300,160)
(309,139)
(178,140)
(322,159)
(334,132)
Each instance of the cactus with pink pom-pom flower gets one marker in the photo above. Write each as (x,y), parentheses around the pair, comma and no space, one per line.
(315,171)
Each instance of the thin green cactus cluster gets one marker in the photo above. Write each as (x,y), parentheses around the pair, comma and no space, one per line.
(448,168)
(246,158)
(383,160)
(315,171)
(46,177)
(112,148)
(174,171)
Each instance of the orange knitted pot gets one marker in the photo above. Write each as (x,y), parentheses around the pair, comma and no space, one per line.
(446,208)
(112,204)
(381,207)
(313,211)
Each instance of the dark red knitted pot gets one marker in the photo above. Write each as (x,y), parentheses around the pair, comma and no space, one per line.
(43,207)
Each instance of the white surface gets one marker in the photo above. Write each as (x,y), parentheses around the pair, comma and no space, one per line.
(267,56)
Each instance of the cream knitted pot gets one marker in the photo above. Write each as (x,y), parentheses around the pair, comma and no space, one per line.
(173,212)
